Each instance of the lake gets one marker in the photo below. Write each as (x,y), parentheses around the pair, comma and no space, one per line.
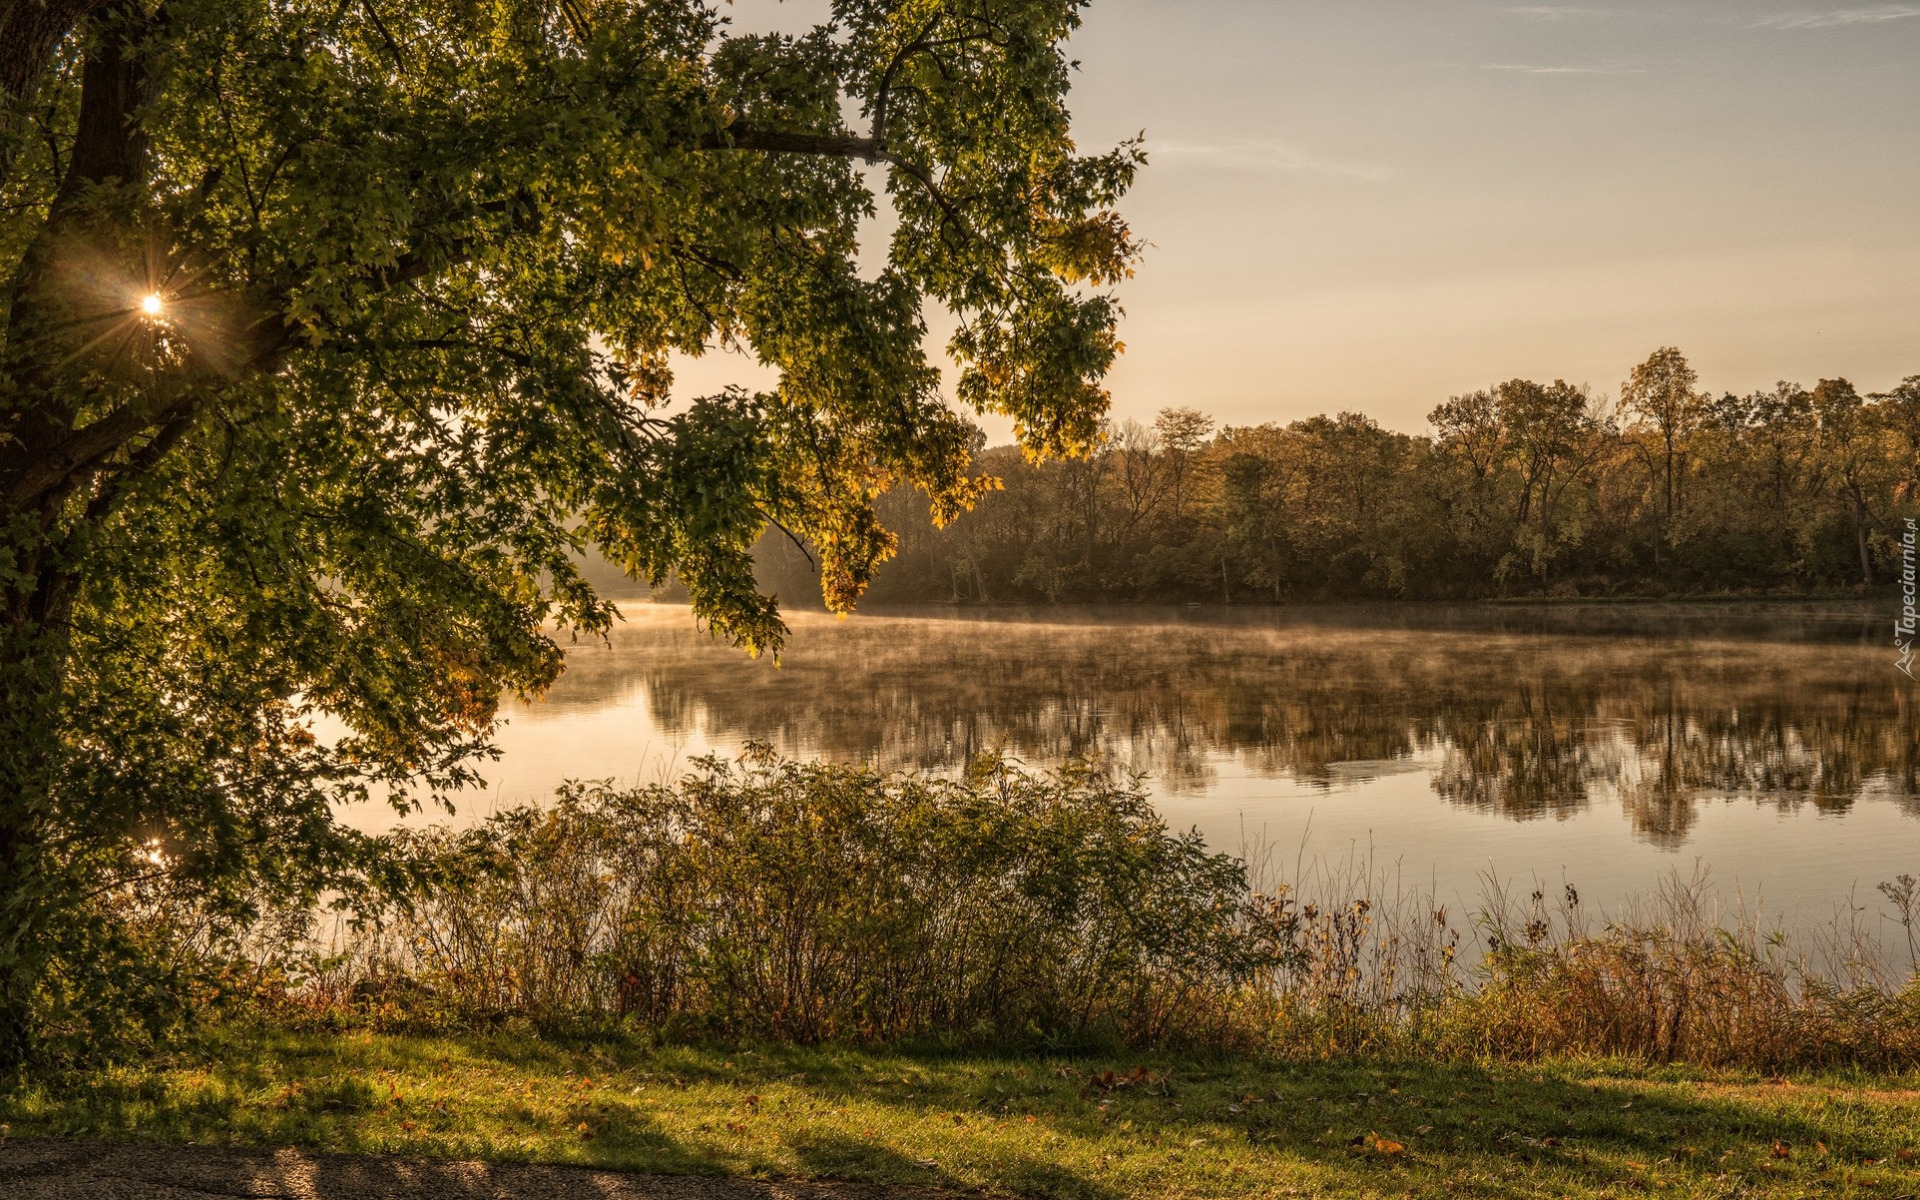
(1608,746)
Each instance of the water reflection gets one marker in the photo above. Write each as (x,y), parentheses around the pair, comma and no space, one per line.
(1525,714)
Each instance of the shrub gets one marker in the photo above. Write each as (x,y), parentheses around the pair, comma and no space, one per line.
(813,901)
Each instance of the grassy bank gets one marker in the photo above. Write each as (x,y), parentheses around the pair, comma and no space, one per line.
(1078,1126)
(1114,1124)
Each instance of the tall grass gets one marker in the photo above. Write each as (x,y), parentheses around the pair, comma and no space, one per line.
(813,902)
(1672,977)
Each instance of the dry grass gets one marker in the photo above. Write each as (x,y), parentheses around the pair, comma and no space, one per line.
(1529,975)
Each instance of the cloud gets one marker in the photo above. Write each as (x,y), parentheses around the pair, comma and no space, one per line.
(1528,69)
(1555,12)
(1876,15)
(1264,156)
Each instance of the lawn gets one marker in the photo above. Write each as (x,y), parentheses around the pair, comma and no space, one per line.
(1074,1126)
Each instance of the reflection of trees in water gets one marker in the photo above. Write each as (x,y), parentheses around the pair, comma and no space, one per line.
(1517,725)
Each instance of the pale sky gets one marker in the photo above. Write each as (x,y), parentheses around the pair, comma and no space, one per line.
(1375,204)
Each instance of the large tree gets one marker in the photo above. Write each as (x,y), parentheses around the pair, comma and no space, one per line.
(336,329)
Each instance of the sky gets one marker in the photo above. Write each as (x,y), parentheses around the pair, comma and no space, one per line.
(1373,205)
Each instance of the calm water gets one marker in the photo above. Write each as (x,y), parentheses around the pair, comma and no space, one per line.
(1604,746)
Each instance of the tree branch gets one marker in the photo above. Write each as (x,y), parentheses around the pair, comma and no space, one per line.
(742,136)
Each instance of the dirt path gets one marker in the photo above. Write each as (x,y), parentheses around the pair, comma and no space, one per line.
(45,1169)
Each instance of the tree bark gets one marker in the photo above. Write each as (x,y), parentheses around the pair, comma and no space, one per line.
(33,649)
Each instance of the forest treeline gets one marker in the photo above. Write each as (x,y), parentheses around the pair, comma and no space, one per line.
(1521,489)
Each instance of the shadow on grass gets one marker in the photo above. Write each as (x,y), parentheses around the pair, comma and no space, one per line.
(1086,1127)
(836,1156)
(59,1170)
(1355,1126)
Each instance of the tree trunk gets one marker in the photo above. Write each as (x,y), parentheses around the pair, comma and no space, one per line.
(22,962)
(1860,539)
(33,648)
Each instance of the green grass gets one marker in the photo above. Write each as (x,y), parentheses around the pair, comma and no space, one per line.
(1043,1126)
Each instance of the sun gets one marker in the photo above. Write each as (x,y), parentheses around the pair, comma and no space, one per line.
(151,304)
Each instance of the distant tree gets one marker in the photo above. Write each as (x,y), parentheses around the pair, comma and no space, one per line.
(1522,487)
(1784,424)
(1660,392)
(1900,411)
(1258,472)
(1350,483)
(1182,431)
(1472,427)
(1551,435)
(335,331)
(1470,440)
(1143,475)
(1852,445)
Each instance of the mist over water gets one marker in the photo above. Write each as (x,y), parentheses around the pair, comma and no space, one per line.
(1606,746)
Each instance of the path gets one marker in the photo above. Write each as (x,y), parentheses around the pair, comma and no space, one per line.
(50,1169)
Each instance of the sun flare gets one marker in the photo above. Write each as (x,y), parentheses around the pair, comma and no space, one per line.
(151,304)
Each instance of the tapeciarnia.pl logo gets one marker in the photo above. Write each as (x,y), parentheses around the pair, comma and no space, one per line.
(1903,626)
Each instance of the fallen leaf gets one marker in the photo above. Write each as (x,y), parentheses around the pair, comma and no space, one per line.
(1781,1150)
(1386,1145)
(1424,1130)
(925,1164)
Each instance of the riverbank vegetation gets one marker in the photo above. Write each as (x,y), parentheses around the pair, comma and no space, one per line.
(814,904)
(1520,489)
(1011,981)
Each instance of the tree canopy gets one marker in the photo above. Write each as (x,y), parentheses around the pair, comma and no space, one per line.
(336,331)
(1519,489)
